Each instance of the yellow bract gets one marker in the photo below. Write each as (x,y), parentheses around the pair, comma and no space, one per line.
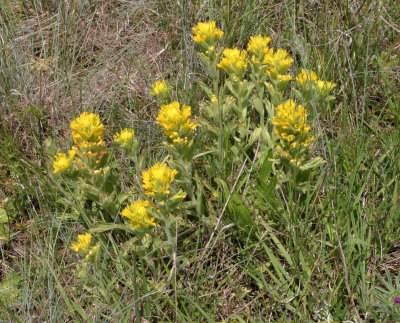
(234,62)
(307,78)
(159,88)
(258,47)
(83,242)
(306,75)
(124,137)
(158,179)
(174,118)
(138,214)
(279,62)
(87,127)
(206,34)
(62,162)
(290,117)
(291,128)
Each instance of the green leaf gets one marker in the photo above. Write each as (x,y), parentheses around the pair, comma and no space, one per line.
(3,216)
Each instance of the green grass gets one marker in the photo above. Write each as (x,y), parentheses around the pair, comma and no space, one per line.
(331,254)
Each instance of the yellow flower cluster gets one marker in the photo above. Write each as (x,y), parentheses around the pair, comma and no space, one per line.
(175,119)
(234,62)
(124,137)
(258,48)
(308,79)
(62,162)
(87,128)
(87,132)
(291,128)
(157,180)
(83,244)
(206,34)
(138,214)
(278,64)
(159,88)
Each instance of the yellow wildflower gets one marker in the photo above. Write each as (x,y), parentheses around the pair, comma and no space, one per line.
(180,195)
(92,252)
(83,242)
(306,75)
(138,214)
(234,62)
(258,47)
(279,62)
(158,179)
(175,119)
(87,127)
(124,137)
(325,86)
(206,34)
(290,118)
(307,78)
(159,88)
(62,162)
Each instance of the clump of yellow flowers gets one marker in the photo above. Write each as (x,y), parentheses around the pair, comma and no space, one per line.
(206,34)
(309,80)
(175,119)
(62,162)
(292,131)
(124,137)
(234,62)
(157,180)
(89,146)
(83,246)
(138,214)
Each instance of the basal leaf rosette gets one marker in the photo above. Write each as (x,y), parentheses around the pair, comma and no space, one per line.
(175,119)
(206,35)
(293,133)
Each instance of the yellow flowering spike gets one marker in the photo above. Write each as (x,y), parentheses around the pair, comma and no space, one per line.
(180,195)
(83,242)
(306,75)
(258,47)
(234,62)
(290,118)
(157,180)
(87,127)
(92,252)
(159,88)
(62,162)
(325,87)
(138,214)
(206,34)
(279,62)
(174,118)
(124,137)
